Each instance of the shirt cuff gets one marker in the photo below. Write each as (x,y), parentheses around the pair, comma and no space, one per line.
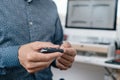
(10,56)
(54,64)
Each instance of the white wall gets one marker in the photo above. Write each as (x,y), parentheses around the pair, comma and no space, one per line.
(119,8)
(118,22)
(61,4)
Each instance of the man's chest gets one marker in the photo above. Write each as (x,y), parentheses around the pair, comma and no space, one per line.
(34,20)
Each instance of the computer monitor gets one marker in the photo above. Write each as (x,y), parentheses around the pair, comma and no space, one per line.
(92,14)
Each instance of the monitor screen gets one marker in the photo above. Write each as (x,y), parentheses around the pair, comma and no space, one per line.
(92,14)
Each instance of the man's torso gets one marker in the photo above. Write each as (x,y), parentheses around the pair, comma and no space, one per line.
(22,23)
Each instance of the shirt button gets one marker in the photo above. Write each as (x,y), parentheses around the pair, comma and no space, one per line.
(30,23)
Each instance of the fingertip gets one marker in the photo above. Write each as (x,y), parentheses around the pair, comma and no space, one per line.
(66,44)
(59,54)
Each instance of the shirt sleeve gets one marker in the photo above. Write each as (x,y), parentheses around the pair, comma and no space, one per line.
(8,58)
(58,38)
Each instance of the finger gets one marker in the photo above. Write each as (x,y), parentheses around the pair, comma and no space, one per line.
(38,45)
(66,45)
(35,65)
(33,70)
(70,51)
(65,62)
(68,58)
(40,57)
(51,56)
(61,66)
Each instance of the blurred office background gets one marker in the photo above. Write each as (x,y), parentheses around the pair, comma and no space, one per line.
(83,71)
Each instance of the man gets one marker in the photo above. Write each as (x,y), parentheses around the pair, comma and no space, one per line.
(25,28)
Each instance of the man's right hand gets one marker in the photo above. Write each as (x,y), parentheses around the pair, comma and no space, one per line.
(32,60)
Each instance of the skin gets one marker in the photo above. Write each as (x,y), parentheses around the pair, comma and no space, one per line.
(65,61)
(32,60)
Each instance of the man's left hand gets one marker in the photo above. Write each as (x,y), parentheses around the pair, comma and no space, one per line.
(65,61)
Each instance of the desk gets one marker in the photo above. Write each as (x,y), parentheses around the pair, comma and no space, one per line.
(100,61)
(96,61)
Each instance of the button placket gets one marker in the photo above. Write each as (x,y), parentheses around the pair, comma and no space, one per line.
(29,19)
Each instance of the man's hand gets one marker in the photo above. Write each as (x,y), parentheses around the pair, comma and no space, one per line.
(65,61)
(32,60)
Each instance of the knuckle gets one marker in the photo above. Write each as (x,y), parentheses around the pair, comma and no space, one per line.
(47,58)
(72,60)
(29,57)
(73,54)
(64,68)
(30,71)
(49,43)
(28,66)
(36,42)
(74,51)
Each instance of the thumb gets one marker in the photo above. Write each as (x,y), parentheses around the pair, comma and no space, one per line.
(66,45)
(38,45)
